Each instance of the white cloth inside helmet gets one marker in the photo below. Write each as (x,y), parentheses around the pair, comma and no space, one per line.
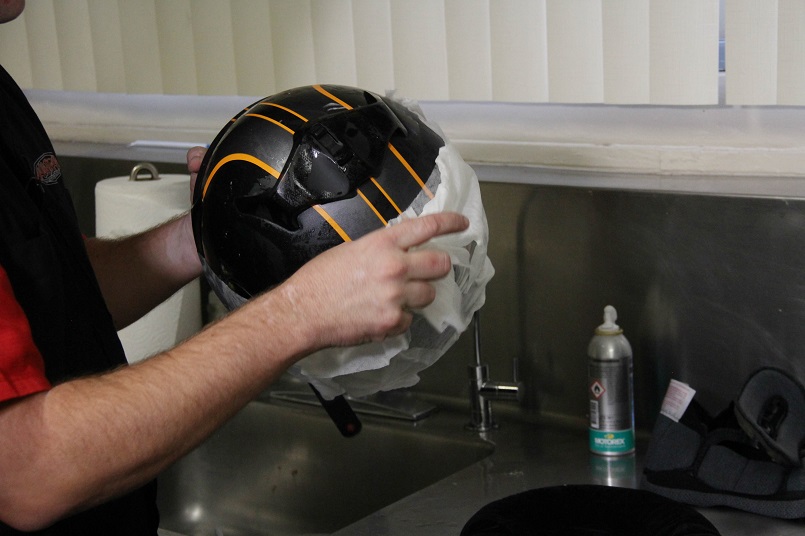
(396,362)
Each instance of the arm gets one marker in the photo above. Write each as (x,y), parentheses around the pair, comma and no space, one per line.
(139,272)
(152,413)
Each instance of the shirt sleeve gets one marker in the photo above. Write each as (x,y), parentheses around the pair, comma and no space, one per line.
(22,369)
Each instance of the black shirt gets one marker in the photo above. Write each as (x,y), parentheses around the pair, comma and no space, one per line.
(43,254)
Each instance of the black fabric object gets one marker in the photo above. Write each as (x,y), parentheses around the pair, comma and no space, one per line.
(706,461)
(587,510)
(771,410)
(43,253)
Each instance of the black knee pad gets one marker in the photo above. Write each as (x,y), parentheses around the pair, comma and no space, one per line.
(771,410)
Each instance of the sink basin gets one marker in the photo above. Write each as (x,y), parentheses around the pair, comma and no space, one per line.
(276,469)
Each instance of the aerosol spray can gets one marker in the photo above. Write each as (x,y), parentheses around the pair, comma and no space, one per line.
(610,389)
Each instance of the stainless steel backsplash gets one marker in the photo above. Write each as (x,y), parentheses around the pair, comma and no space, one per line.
(707,288)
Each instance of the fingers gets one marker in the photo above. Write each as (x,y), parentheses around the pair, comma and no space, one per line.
(383,281)
(428,264)
(417,231)
(418,294)
(194,158)
(424,265)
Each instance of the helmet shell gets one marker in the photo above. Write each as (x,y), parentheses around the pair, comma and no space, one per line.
(299,172)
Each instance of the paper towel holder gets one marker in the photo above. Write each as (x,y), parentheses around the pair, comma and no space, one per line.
(144,166)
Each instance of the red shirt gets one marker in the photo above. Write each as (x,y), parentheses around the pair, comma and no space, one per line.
(22,370)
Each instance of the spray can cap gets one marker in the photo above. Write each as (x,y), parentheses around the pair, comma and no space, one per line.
(609,327)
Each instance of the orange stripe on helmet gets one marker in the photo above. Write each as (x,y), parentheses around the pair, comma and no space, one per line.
(274,121)
(323,213)
(365,200)
(382,191)
(281,107)
(410,170)
(331,96)
(243,157)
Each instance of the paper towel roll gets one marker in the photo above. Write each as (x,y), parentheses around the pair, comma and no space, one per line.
(124,207)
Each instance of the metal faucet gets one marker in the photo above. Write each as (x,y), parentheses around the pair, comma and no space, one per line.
(483,391)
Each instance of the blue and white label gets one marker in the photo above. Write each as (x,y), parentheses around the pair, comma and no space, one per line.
(611,443)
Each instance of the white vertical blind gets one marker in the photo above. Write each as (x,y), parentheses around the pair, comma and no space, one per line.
(292,42)
(334,42)
(175,33)
(592,51)
(374,57)
(14,53)
(626,53)
(752,60)
(74,43)
(253,47)
(469,54)
(519,50)
(139,35)
(766,52)
(107,46)
(419,45)
(575,51)
(683,52)
(213,46)
(40,28)
(791,52)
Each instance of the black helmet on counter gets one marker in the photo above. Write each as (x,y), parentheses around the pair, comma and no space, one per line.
(299,172)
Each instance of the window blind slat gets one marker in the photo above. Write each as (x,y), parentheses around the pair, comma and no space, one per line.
(40,31)
(519,50)
(751,31)
(75,46)
(469,58)
(107,46)
(254,50)
(575,59)
(684,51)
(791,53)
(292,42)
(14,53)
(213,45)
(626,51)
(334,42)
(419,47)
(374,56)
(175,33)
(140,43)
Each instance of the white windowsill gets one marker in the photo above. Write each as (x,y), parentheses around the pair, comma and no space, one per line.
(715,149)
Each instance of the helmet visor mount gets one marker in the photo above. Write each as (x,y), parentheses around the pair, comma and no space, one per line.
(337,154)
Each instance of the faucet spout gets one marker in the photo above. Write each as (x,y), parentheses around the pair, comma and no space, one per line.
(483,390)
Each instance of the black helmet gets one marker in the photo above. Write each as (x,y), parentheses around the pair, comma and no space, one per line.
(299,172)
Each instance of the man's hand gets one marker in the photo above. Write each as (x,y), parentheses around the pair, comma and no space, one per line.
(194,158)
(365,290)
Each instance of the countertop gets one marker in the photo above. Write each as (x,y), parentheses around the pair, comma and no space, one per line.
(530,455)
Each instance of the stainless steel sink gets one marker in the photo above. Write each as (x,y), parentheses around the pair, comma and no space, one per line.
(285,470)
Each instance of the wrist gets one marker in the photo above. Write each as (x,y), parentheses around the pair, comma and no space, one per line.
(188,258)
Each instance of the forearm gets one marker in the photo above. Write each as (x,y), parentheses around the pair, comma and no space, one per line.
(91,439)
(139,272)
